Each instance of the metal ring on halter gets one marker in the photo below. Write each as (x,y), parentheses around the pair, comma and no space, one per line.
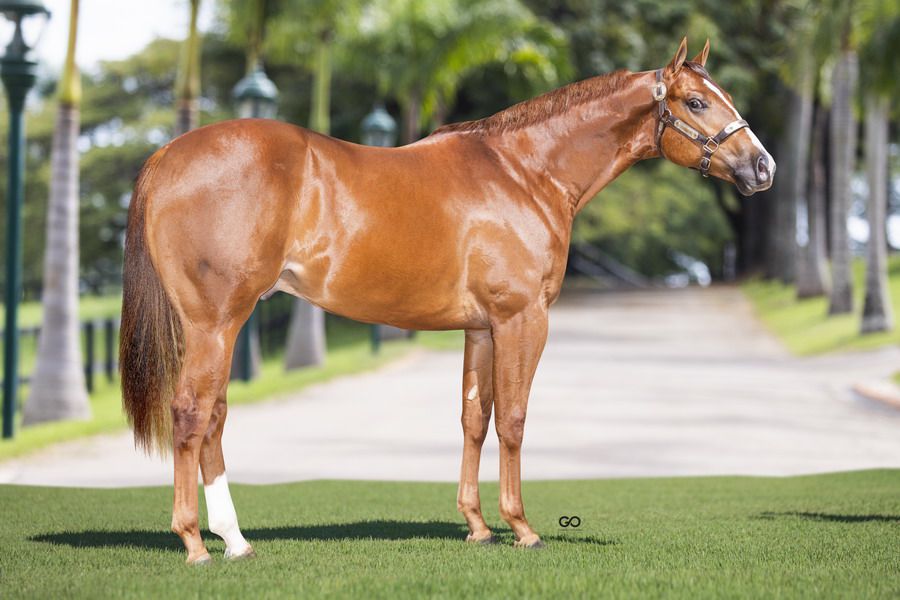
(708,144)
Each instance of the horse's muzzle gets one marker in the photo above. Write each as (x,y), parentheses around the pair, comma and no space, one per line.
(760,178)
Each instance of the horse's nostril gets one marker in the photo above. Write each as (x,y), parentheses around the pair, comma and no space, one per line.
(762,168)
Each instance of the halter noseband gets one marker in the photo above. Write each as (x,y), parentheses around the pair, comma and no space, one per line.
(708,144)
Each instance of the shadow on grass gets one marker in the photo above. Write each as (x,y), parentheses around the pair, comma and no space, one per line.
(817,516)
(362,530)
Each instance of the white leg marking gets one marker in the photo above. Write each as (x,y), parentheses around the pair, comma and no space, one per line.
(223,518)
(473,392)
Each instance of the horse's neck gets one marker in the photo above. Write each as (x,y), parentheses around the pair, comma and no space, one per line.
(589,145)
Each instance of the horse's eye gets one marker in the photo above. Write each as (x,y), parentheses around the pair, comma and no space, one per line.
(695,104)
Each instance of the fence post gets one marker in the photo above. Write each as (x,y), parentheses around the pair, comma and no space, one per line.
(376,338)
(109,335)
(89,356)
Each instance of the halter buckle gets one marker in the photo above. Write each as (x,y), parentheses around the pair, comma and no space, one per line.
(710,146)
(659,91)
(705,164)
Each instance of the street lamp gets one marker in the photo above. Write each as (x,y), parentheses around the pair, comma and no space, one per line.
(380,129)
(255,96)
(18,72)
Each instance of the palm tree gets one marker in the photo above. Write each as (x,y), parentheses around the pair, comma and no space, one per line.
(877,313)
(58,386)
(879,78)
(843,157)
(806,269)
(421,51)
(813,278)
(188,85)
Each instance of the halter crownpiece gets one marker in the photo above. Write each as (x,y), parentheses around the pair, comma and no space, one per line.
(666,118)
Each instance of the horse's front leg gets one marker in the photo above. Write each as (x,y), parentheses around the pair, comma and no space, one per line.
(518,343)
(478,394)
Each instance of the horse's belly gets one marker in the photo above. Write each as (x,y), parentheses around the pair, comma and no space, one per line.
(412,300)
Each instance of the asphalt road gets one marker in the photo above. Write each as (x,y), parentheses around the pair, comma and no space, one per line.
(631,384)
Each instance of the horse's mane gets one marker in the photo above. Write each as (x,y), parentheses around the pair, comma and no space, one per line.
(542,107)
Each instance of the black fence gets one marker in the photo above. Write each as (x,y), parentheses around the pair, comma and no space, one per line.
(100,349)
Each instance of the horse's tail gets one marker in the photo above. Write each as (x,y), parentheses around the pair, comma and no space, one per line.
(150,338)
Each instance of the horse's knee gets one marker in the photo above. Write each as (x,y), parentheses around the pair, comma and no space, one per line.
(474,429)
(511,428)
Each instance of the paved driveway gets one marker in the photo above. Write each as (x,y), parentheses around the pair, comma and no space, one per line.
(631,384)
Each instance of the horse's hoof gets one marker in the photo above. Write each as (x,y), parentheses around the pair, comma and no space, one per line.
(200,561)
(482,541)
(532,543)
(243,555)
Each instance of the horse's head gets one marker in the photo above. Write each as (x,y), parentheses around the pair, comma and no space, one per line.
(699,126)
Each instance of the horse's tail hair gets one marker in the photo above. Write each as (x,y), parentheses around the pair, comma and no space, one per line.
(151,346)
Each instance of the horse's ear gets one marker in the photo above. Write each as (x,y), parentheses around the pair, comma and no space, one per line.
(679,57)
(704,54)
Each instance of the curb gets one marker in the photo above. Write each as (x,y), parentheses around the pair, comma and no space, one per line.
(883,392)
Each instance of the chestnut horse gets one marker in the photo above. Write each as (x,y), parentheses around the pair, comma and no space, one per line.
(465,229)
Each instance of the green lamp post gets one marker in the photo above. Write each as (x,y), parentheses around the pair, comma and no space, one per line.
(378,128)
(255,96)
(18,70)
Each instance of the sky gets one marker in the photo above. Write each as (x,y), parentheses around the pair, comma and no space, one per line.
(115,29)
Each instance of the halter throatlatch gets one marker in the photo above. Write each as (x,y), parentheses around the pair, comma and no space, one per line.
(709,145)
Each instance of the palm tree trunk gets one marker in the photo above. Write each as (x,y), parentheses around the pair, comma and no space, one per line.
(58,386)
(815,280)
(306,333)
(412,110)
(877,311)
(843,155)
(799,139)
(187,113)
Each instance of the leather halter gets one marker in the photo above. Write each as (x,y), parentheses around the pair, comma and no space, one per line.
(708,144)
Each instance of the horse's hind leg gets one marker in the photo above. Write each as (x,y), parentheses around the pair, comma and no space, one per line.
(476,415)
(204,375)
(219,507)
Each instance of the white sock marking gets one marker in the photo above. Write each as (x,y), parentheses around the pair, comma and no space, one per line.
(222,516)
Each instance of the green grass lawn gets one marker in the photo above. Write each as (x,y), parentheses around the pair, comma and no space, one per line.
(718,537)
(804,325)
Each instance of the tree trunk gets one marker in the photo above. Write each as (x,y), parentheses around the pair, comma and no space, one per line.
(186,117)
(815,280)
(411,111)
(58,386)
(320,118)
(780,231)
(799,141)
(843,155)
(189,77)
(306,336)
(877,311)
(787,196)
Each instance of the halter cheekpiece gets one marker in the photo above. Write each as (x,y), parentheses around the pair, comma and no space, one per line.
(708,144)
